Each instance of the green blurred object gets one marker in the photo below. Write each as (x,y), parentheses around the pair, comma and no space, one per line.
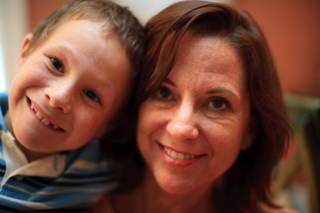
(304,115)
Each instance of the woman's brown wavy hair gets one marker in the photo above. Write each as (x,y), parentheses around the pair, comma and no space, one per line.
(247,182)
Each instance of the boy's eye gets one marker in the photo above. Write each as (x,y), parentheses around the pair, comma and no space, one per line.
(92,95)
(56,64)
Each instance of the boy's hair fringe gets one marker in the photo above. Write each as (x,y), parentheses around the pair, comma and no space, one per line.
(117,19)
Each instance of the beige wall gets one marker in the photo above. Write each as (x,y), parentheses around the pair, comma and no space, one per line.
(293,31)
(39,9)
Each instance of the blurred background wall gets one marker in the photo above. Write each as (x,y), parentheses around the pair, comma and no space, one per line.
(291,27)
(293,31)
(14,23)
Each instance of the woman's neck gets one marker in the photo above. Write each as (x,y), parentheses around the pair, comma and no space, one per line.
(149,197)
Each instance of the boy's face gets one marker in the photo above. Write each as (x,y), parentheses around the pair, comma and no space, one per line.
(68,89)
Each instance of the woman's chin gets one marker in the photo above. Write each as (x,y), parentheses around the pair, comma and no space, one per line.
(174,187)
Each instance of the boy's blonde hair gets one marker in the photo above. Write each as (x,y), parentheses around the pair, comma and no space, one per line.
(118,20)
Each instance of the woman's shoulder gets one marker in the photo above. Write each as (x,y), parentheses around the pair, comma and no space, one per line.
(266,209)
(105,205)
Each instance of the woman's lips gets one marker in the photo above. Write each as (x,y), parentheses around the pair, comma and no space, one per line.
(178,159)
(178,155)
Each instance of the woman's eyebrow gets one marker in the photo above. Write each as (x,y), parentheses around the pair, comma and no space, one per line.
(214,91)
(168,81)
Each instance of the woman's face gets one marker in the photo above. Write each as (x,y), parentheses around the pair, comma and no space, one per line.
(193,128)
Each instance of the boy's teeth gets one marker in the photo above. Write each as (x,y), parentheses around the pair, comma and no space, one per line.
(45,121)
(177,155)
(32,107)
(39,115)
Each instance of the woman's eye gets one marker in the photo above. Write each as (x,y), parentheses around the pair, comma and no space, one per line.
(163,92)
(218,104)
(92,95)
(56,64)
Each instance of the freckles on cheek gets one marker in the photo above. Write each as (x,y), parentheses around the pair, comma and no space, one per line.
(87,125)
(226,155)
(144,116)
(142,125)
(226,144)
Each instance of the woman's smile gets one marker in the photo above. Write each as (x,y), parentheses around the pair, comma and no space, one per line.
(177,158)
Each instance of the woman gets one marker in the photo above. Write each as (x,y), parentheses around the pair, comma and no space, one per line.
(211,123)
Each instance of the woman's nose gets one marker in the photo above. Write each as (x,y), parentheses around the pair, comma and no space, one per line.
(59,96)
(183,125)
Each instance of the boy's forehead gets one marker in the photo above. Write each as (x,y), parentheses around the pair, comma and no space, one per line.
(103,25)
(46,37)
(66,32)
(77,34)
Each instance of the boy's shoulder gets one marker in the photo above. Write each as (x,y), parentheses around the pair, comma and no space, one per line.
(4,102)
(3,108)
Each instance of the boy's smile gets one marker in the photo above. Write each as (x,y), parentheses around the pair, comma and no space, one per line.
(68,89)
(44,119)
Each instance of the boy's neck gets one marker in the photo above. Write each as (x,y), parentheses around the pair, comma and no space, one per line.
(30,155)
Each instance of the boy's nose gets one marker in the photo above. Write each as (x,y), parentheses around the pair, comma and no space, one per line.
(59,96)
(183,125)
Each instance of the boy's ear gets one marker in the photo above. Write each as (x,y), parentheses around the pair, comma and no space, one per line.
(22,53)
(106,128)
(103,129)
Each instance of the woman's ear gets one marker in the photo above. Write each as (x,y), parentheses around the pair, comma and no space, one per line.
(249,134)
(22,53)
(247,140)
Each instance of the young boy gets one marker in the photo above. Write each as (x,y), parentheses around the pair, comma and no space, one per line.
(75,73)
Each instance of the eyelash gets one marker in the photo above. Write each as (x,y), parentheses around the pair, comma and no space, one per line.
(224,103)
(159,93)
(58,67)
(89,93)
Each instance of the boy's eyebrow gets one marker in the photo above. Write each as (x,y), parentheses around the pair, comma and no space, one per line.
(101,82)
(62,49)
(63,46)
